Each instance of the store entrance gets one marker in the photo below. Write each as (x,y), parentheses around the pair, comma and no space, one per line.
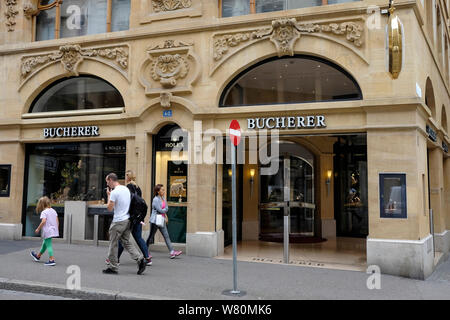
(316,194)
(288,193)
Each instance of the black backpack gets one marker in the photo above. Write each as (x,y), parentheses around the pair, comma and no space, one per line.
(138,208)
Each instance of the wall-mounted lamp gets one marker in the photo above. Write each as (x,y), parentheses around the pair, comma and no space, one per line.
(230,172)
(328,181)
(252,180)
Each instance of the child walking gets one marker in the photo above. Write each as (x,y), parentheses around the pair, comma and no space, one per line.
(50,226)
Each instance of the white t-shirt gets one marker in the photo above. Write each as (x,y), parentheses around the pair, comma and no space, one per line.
(122,198)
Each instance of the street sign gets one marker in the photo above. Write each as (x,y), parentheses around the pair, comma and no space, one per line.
(235,132)
(235,137)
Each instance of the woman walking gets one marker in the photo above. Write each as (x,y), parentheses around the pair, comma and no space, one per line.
(136,227)
(159,206)
(49,226)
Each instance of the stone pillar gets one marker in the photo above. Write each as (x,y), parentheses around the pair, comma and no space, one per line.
(202,238)
(436,171)
(400,247)
(75,220)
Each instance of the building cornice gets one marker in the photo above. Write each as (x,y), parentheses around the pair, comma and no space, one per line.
(218,24)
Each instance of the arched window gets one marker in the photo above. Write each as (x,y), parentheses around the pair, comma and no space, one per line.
(77,93)
(429,98)
(290,80)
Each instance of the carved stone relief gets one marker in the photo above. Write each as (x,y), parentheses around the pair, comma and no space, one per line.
(71,56)
(170,5)
(155,10)
(284,33)
(11,12)
(170,68)
(29,10)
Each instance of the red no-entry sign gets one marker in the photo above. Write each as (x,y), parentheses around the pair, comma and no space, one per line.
(235,132)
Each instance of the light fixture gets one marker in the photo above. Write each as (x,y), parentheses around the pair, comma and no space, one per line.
(328,180)
(230,172)
(252,180)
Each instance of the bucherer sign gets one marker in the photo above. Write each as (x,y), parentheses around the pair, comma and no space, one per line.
(69,132)
(287,122)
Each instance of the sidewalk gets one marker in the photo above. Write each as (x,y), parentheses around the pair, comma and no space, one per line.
(201,278)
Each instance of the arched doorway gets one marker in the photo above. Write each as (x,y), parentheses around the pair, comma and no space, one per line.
(171,170)
(297,204)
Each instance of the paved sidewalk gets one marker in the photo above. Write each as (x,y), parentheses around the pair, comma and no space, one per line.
(204,278)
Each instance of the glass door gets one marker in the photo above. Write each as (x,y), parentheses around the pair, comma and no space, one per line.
(289,192)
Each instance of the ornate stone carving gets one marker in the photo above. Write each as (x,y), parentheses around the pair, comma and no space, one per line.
(284,33)
(170,5)
(169,68)
(223,43)
(10,14)
(166,98)
(29,10)
(71,56)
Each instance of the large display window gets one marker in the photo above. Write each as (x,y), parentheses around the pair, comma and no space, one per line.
(69,172)
(171,170)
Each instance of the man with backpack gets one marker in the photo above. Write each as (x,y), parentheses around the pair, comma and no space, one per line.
(138,212)
(119,199)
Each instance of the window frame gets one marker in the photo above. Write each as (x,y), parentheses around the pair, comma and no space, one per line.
(7,167)
(253,6)
(404,192)
(236,78)
(58,4)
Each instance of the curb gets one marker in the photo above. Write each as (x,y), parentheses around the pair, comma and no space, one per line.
(62,291)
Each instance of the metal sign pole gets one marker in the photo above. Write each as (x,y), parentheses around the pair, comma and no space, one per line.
(234,222)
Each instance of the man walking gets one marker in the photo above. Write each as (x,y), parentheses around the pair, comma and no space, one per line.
(119,199)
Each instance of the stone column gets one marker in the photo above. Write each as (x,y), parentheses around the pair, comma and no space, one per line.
(400,247)
(436,171)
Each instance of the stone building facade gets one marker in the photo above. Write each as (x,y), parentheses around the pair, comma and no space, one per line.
(90,87)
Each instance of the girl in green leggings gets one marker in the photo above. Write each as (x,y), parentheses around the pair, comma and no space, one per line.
(49,226)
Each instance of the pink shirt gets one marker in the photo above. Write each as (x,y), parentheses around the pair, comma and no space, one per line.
(50,228)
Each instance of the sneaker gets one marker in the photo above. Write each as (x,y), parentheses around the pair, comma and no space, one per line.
(175,253)
(149,261)
(141,266)
(109,262)
(109,271)
(50,263)
(35,257)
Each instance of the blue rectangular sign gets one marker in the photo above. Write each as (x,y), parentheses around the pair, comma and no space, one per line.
(167,113)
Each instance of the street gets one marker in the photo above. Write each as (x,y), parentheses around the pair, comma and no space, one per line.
(197,278)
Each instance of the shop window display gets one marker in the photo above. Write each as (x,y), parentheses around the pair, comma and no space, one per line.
(5,180)
(350,186)
(69,172)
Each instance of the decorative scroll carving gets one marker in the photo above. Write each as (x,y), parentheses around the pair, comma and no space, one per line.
(10,14)
(222,44)
(71,56)
(284,33)
(170,5)
(169,68)
(29,10)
